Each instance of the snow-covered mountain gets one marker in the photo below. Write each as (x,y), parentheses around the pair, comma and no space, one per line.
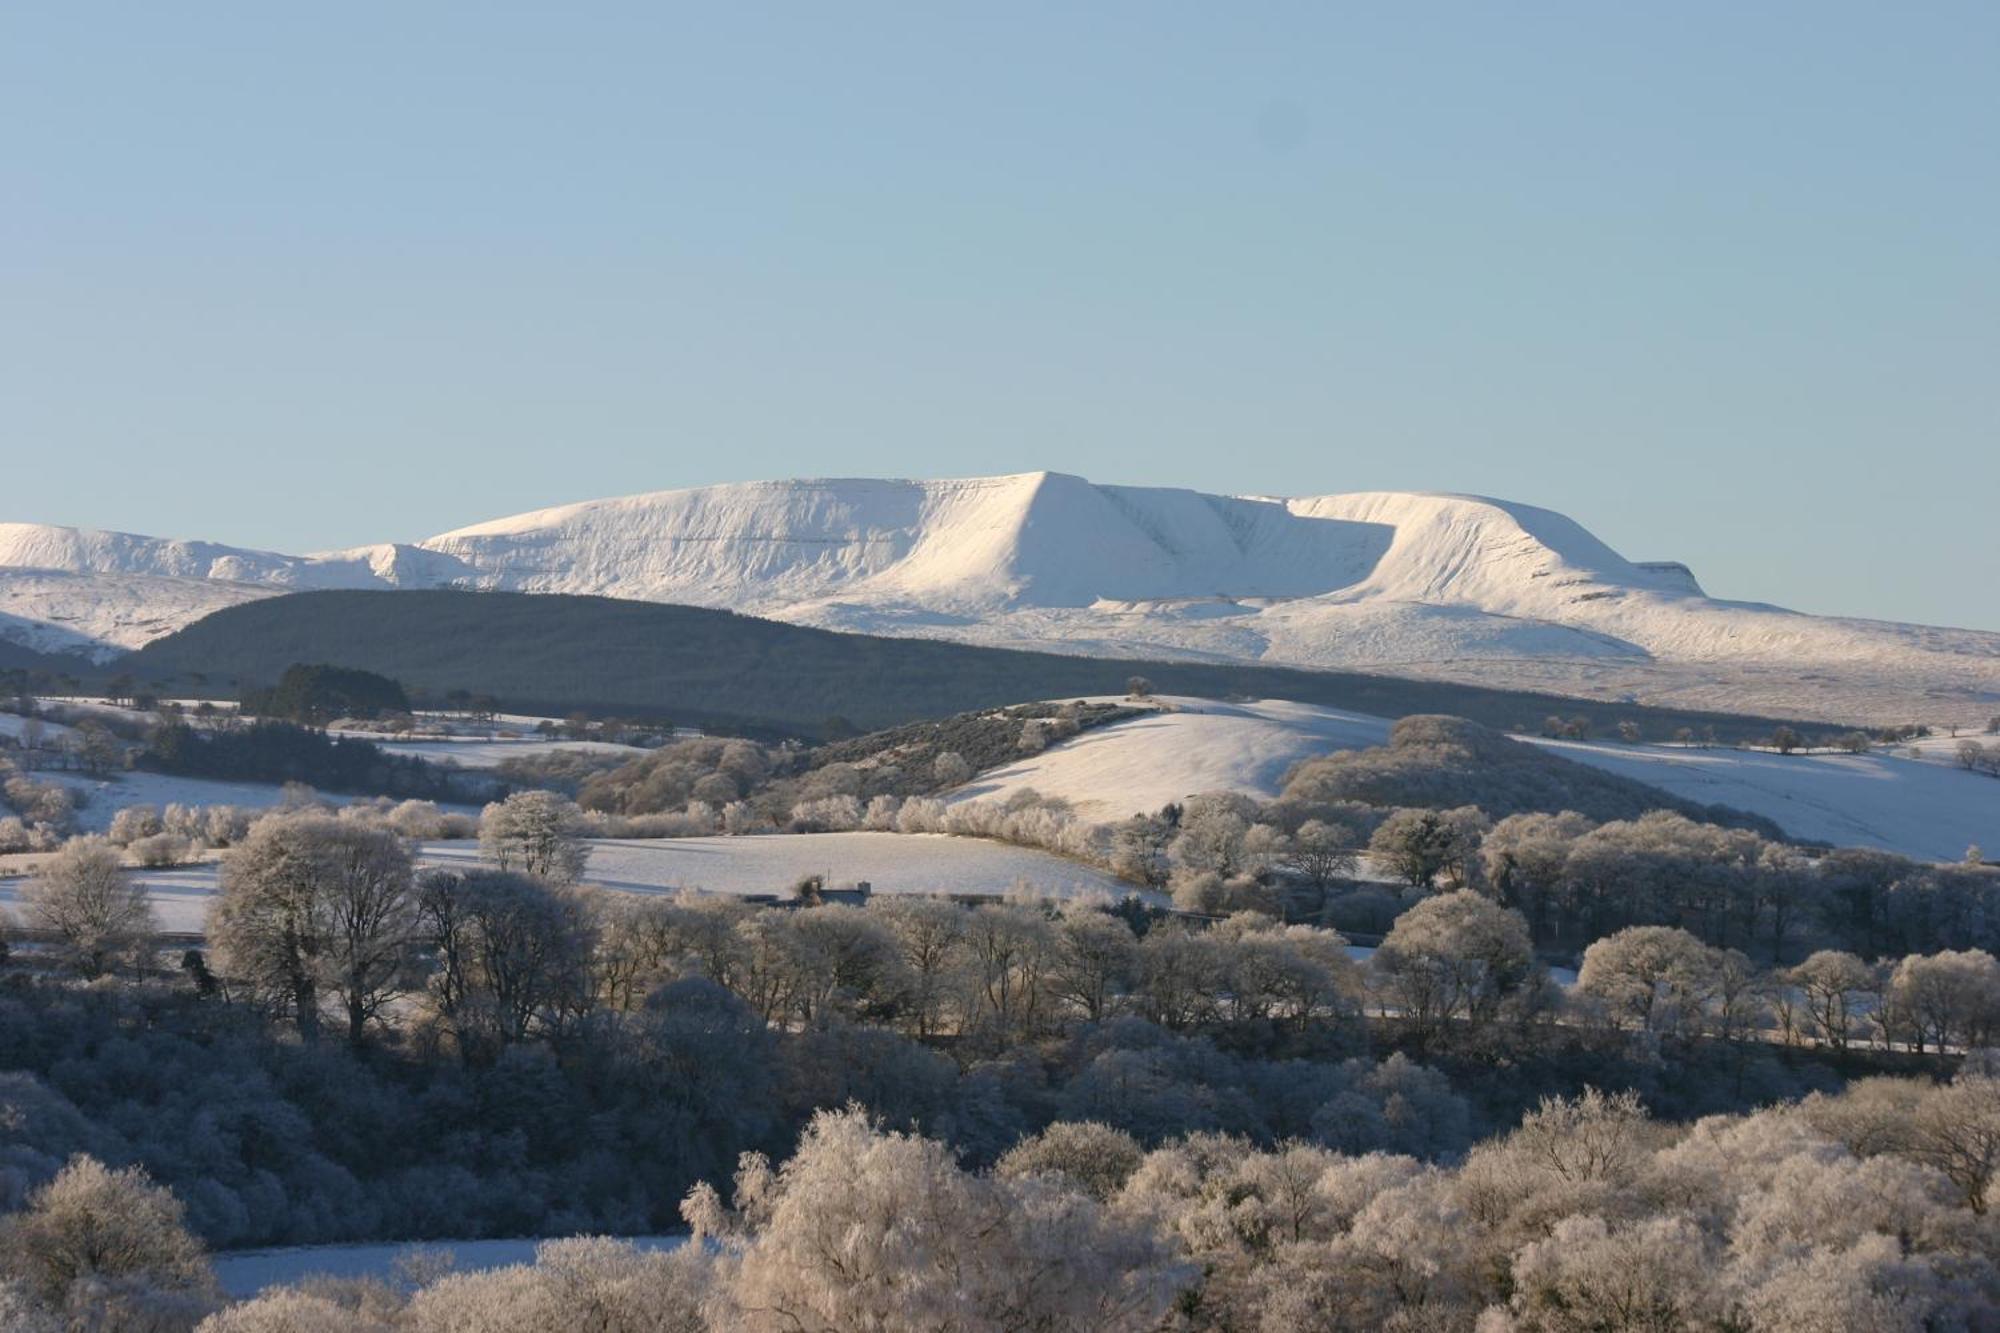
(1447,586)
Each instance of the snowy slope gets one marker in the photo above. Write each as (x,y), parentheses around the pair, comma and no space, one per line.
(1448,586)
(1920,808)
(1193,745)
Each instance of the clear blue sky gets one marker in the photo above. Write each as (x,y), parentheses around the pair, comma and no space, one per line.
(1721,281)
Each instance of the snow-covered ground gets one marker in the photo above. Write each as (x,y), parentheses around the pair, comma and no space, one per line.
(1189,746)
(181,897)
(1446,586)
(773,863)
(107,795)
(11,725)
(244,1273)
(469,753)
(1921,808)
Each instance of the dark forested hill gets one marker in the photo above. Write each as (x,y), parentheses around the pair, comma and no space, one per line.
(556,654)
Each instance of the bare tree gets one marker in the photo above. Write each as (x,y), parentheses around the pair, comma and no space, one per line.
(98,915)
(313,906)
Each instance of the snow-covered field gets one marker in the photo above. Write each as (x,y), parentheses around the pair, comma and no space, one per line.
(1921,808)
(107,795)
(12,723)
(493,753)
(1451,587)
(773,863)
(244,1273)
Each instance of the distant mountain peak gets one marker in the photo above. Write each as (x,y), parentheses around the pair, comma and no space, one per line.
(1464,586)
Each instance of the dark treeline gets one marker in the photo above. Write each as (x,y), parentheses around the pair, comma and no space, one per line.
(279,752)
(321,693)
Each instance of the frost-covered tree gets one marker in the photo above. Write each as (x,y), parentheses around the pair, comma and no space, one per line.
(1950,998)
(1658,1273)
(949,769)
(1212,832)
(1957,1130)
(1652,978)
(864,1229)
(1421,846)
(314,908)
(1837,987)
(1139,850)
(1093,1157)
(1320,852)
(1094,961)
(513,956)
(1456,956)
(98,916)
(537,833)
(93,1237)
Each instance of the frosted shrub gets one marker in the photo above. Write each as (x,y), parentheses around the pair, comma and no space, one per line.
(15,836)
(91,1231)
(921,814)
(182,820)
(417,819)
(1094,1158)
(741,818)
(35,802)
(881,814)
(225,825)
(827,814)
(289,1310)
(698,821)
(133,823)
(161,850)
(587,1284)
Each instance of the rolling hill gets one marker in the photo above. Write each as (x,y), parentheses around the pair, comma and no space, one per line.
(554,653)
(1928,809)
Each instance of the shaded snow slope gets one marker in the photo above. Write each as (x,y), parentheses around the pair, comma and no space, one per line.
(1920,808)
(1447,586)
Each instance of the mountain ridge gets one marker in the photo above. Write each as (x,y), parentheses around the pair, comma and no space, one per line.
(1438,584)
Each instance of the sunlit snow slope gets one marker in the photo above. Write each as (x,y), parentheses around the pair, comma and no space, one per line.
(1447,586)
(1929,808)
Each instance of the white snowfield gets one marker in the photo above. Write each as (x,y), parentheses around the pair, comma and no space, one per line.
(930,863)
(1447,586)
(1919,808)
(1185,747)
(773,863)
